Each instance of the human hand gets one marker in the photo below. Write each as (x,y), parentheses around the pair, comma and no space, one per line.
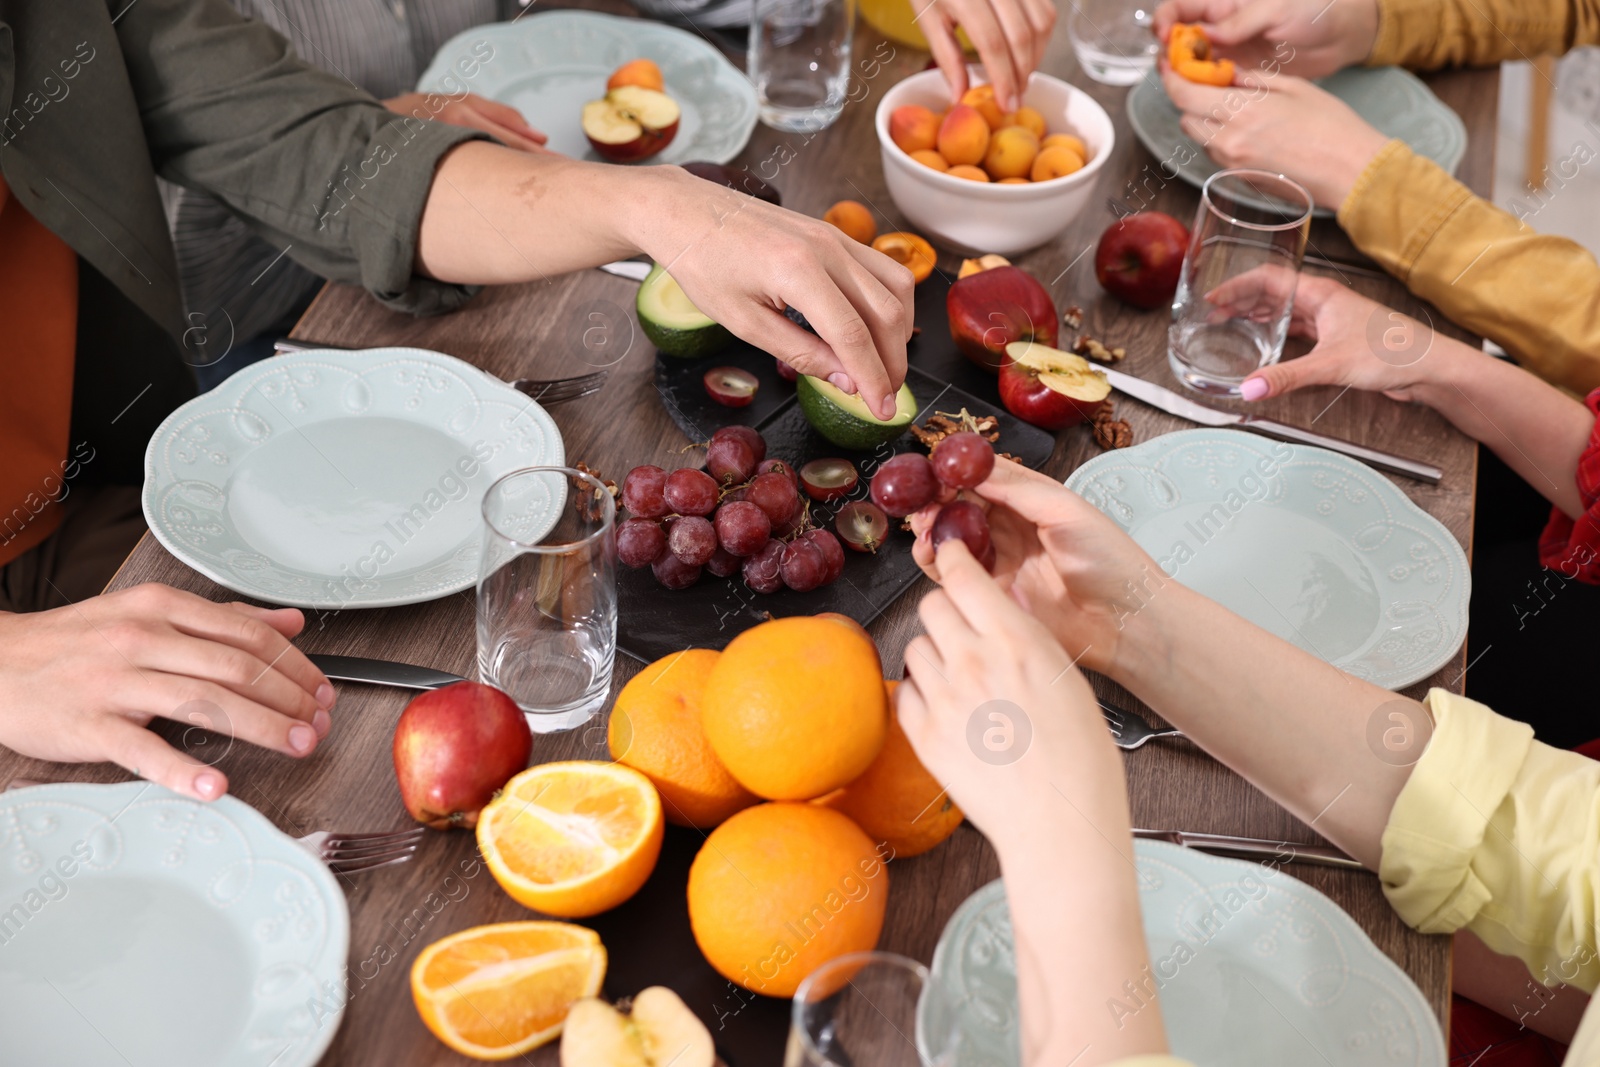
(1010,35)
(1281,124)
(500,121)
(743,261)
(1068,565)
(1308,38)
(82,682)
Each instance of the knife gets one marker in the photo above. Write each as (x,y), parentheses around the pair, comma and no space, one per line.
(1159,396)
(632,269)
(381,672)
(1255,848)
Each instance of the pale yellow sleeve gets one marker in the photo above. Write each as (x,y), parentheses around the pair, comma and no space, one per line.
(1534,295)
(1428,34)
(1500,834)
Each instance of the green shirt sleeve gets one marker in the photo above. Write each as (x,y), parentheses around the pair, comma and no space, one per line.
(314,164)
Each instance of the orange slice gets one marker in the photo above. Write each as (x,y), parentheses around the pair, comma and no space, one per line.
(572,839)
(495,992)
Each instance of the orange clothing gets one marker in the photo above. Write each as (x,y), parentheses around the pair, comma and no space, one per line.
(38,337)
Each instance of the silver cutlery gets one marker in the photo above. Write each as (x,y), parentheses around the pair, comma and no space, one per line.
(546,391)
(1173,403)
(1130,731)
(1254,848)
(632,269)
(381,672)
(343,853)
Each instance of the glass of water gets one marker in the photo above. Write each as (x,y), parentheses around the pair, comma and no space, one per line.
(1114,39)
(547,594)
(1231,312)
(873,1008)
(800,61)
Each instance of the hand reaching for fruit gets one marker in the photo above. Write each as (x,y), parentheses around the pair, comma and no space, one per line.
(1010,36)
(500,121)
(1308,38)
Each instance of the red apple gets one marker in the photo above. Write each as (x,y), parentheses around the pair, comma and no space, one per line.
(631,123)
(1050,388)
(994,307)
(453,750)
(1140,257)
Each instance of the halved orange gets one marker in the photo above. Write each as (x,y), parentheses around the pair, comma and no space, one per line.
(495,992)
(572,839)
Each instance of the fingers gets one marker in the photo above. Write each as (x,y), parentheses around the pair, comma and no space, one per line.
(1281,378)
(983,27)
(1248,21)
(142,752)
(983,607)
(941,35)
(1192,98)
(852,330)
(287,621)
(1042,17)
(227,625)
(896,281)
(202,703)
(1036,497)
(1173,12)
(506,116)
(246,675)
(1022,45)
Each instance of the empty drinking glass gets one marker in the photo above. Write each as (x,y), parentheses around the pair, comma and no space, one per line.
(800,61)
(547,594)
(1113,39)
(1231,312)
(871,1008)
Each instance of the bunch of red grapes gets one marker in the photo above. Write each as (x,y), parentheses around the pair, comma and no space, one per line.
(910,482)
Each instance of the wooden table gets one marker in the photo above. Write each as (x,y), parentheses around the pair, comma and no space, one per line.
(548,330)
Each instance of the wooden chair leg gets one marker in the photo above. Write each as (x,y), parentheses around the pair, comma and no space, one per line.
(1538,147)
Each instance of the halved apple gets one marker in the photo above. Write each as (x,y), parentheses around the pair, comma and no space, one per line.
(631,123)
(1050,388)
(658,1031)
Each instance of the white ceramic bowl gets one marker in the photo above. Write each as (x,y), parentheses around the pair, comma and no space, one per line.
(977,217)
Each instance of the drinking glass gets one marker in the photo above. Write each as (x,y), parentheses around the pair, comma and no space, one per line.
(547,594)
(871,1008)
(1231,312)
(800,61)
(1114,39)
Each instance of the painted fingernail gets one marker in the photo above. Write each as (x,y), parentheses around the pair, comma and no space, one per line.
(840,380)
(301,738)
(1254,388)
(325,695)
(321,722)
(208,785)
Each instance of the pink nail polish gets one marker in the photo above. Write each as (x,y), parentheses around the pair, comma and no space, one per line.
(321,722)
(301,738)
(208,785)
(1254,388)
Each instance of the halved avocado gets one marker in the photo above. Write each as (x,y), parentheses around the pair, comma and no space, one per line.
(844,418)
(674,325)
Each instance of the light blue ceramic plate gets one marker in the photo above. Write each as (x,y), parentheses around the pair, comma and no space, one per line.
(1317,548)
(1394,101)
(335,479)
(549,65)
(137,926)
(1252,967)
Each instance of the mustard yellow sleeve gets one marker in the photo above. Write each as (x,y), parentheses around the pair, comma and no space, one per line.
(1429,34)
(1534,295)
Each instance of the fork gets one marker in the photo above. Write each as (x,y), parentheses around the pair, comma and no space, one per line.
(1130,731)
(546,391)
(343,853)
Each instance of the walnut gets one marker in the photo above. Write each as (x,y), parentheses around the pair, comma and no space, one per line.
(1073,317)
(942,424)
(586,504)
(1109,431)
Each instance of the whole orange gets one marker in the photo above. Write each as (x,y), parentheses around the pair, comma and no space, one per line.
(655,729)
(780,889)
(796,707)
(896,801)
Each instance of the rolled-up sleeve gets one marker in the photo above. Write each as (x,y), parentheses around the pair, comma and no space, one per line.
(1428,34)
(315,165)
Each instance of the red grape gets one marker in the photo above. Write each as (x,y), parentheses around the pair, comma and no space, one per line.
(642,492)
(965,520)
(743,528)
(785,371)
(730,386)
(828,479)
(778,466)
(690,492)
(724,564)
(763,572)
(751,437)
(730,460)
(640,541)
(904,484)
(775,495)
(693,540)
(832,552)
(673,573)
(793,525)
(803,566)
(962,460)
(862,526)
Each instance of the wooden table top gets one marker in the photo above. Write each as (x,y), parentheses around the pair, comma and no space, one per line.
(546,329)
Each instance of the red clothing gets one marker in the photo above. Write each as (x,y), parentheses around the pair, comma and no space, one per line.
(1570,548)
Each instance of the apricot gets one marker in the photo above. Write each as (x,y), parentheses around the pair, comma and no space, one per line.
(1028,118)
(914,128)
(1066,140)
(853,220)
(1011,153)
(910,251)
(968,171)
(641,72)
(1055,162)
(929,158)
(1013,181)
(963,136)
(981,99)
